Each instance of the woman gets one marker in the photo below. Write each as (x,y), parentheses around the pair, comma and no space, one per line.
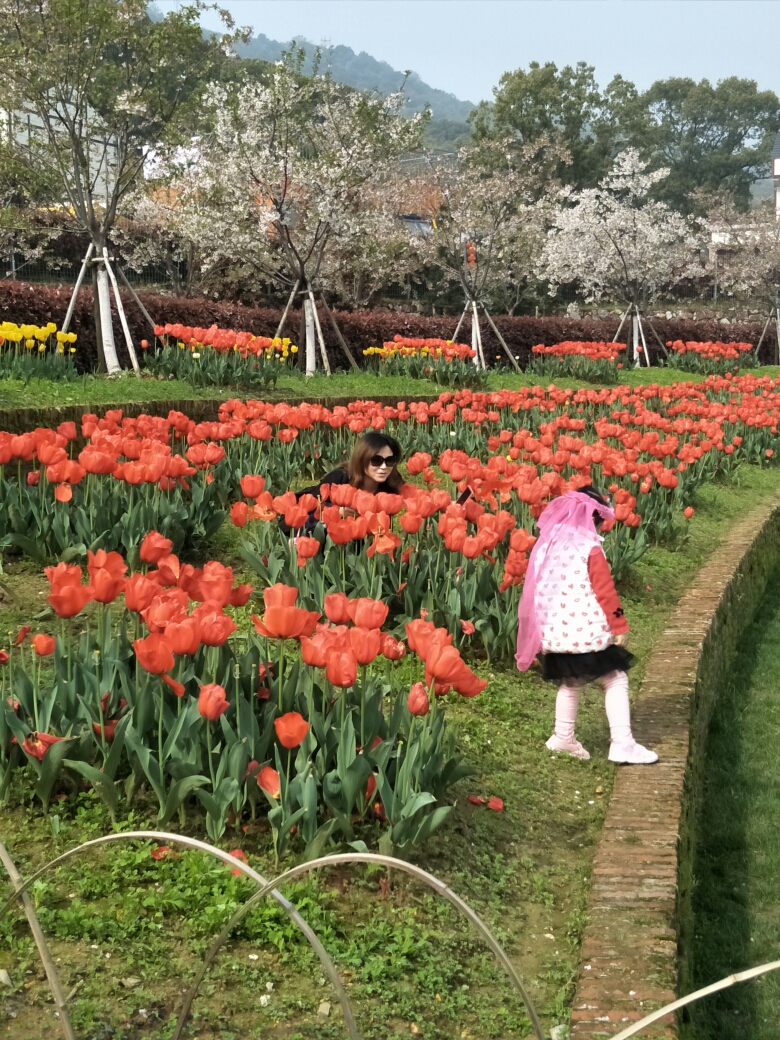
(372,467)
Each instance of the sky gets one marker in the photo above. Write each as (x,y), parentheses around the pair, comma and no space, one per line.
(463,46)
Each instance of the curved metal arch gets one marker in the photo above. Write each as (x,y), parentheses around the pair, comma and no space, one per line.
(265,887)
(361,857)
(55,986)
(730,980)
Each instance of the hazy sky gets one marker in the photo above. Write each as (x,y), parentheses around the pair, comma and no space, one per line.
(464,46)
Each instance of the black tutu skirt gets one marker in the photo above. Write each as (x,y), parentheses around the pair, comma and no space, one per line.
(558,668)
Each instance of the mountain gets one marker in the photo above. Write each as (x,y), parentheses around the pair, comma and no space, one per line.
(363,72)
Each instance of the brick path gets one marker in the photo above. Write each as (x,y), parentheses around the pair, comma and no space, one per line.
(630,947)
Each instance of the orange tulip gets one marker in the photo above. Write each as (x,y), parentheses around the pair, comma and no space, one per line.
(367,612)
(43,645)
(212,701)
(280,595)
(417,702)
(139,592)
(337,608)
(215,627)
(341,668)
(365,643)
(291,728)
(286,622)
(69,600)
(153,653)
(268,781)
(154,547)
(183,637)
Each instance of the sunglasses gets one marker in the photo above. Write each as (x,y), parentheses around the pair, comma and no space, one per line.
(383,460)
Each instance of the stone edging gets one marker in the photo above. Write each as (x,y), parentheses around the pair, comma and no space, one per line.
(635,945)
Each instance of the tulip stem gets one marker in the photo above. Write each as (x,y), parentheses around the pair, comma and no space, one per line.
(35,694)
(280,678)
(363,670)
(211,759)
(160,743)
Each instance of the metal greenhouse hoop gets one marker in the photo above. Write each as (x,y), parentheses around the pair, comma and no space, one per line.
(20,889)
(361,857)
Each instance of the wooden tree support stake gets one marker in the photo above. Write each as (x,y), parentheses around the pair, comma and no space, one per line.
(763,332)
(501,339)
(337,330)
(77,286)
(460,322)
(642,334)
(320,337)
(287,311)
(133,293)
(622,323)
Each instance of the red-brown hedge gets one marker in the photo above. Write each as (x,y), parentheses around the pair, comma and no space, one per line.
(24,302)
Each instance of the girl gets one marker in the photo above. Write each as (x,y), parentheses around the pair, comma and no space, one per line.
(570,612)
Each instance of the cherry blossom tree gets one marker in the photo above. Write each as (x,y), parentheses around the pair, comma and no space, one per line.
(487,221)
(288,180)
(90,87)
(617,241)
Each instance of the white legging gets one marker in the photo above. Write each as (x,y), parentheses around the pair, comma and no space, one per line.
(615,686)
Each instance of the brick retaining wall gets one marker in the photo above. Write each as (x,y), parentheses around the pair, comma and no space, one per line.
(635,946)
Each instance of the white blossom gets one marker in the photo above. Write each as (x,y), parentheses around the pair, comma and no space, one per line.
(616,241)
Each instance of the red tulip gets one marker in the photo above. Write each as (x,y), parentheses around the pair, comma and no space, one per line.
(108,728)
(367,612)
(239,512)
(268,780)
(212,701)
(417,702)
(688,512)
(337,608)
(392,649)
(239,596)
(467,628)
(280,595)
(215,627)
(23,632)
(154,547)
(43,645)
(252,486)
(69,600)
(183,637)
(37,744)
(177,687)
(286,622)
(307,549)
(153,653)
(63,492)
(106,574)
(291,728)
(139,592)
(365,643)
(341,668)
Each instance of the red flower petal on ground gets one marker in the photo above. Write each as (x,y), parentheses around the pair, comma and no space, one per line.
(477,799)
(238,854)
(496,804)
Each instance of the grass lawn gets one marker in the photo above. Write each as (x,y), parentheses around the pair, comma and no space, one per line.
(93,391)
(736,906)
(128,931)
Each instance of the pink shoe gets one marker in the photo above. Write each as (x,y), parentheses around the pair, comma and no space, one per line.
(571,747)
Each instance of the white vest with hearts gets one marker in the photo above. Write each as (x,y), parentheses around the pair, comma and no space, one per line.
(570,618)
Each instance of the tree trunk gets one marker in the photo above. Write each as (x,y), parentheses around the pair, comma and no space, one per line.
(311,344)
(101,360)
(106,325)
